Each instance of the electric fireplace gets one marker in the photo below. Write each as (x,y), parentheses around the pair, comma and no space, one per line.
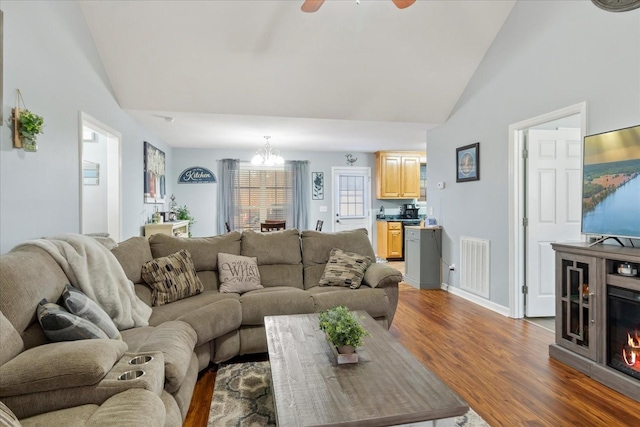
(598,313)
(623,330)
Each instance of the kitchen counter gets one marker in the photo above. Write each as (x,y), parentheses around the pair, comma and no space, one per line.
(398,219)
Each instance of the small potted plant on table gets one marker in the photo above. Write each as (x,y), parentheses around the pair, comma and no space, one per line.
(343,331)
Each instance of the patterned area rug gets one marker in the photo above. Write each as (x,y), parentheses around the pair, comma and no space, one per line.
(242,398)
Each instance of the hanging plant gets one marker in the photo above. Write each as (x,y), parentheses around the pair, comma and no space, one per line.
(26,126)
(29,126)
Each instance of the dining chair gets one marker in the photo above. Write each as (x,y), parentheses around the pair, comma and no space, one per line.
(272,225)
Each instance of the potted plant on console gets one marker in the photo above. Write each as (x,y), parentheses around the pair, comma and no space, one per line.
(343,331)
(183,214)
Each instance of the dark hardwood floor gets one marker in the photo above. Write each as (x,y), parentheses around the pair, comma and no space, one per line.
(500,366)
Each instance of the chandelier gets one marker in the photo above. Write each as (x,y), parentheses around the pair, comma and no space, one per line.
(267,156)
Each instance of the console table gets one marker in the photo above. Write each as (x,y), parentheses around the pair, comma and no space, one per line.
(591,322)
(172,228)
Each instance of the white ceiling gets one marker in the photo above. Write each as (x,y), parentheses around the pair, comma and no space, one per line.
(346,78)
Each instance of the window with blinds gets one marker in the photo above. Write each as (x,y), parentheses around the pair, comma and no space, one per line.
(262,194)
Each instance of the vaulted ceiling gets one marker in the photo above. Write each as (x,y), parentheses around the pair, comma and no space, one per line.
(350,77)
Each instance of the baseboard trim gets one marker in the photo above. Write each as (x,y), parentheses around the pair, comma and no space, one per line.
(476,299)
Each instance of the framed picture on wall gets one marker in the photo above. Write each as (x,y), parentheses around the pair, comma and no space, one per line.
(154,175)
(468,163)
(90,173)
(317,183)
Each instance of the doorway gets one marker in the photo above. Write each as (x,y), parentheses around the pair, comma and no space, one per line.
(544,196)
(100,196)
(351,201)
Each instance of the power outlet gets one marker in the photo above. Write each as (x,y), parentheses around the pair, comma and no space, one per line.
(452,267)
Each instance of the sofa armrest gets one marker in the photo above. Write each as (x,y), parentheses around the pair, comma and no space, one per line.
(36,403)
(131,408)
(382,276)
(59,365)
(176,340)
(385,277)
(134,407)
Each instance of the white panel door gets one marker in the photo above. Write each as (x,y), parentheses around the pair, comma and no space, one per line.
(554,176)
(351,201)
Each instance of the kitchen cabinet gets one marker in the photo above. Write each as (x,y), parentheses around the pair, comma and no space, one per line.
(422,256)
(389,239)
(398,174)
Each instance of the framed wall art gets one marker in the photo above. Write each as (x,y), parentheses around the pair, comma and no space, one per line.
(468,163)
(155,189)
(90,173)
(317,182)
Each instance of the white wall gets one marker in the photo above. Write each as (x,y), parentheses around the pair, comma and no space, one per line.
(548,55)
(50,56)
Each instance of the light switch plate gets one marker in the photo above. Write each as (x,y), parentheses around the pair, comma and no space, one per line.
(324,209)
(441,185)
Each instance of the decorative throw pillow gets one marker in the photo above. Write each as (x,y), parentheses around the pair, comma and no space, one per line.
(238,273)
(172,278)
(81,305)
(60,325)
(345,269)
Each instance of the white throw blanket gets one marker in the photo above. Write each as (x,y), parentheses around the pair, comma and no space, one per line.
(94,270)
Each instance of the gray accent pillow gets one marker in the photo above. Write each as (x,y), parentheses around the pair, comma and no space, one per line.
(172,278)
(238,273)
(81,305)
(60,325)
(345,269)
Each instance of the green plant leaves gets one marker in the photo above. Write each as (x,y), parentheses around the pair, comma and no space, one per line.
(342,327)
(30,124)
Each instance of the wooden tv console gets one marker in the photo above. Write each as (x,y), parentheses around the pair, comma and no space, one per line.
(584,276)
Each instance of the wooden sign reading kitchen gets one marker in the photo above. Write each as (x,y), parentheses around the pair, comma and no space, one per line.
(197,175)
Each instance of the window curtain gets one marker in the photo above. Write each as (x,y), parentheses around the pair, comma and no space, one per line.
(300,194)
(227,193)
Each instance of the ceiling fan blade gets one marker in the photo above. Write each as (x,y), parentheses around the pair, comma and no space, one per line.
(311,6)
(402,4)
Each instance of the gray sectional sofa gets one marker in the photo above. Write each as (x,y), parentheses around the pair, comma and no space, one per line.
(184,336)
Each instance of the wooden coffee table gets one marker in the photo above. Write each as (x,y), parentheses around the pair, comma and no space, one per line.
(388,386)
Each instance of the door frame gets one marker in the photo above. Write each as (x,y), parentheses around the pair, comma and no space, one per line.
(114,167)
(517,197)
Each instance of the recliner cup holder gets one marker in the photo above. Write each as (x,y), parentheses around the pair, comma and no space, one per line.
(131,375)
(141,360)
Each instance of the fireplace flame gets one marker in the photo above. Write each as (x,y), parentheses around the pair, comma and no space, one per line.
(633,345)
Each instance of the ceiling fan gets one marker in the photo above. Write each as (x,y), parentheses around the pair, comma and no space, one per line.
(311,6)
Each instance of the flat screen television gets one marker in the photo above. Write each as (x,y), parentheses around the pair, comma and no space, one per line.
(611,184)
